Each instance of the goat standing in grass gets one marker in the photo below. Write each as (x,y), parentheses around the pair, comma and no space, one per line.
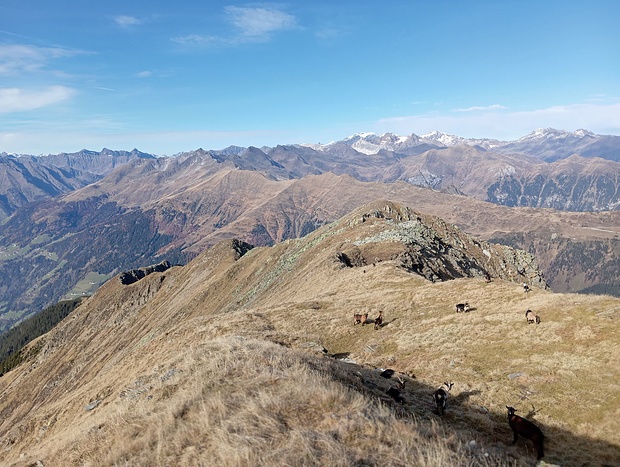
(525,428)
(359,318)
(462,307)
(379,320)
(531,317)
(396,392)
(441,397)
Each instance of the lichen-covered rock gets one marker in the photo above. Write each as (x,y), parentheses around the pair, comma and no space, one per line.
(434,249)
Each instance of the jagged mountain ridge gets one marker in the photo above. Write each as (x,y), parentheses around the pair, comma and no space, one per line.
(30,178)
(572,184)
(137,356)
(547,144)
(372,157)
(500,176)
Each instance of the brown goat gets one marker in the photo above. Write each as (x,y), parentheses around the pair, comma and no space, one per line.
(359,318)
(379,320)
(525,428)
(531,317)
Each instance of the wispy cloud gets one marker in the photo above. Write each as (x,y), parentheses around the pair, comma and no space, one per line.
(127,21)
(196,40)
(20,100)
(250,24)
(16,58)
(329,33)
(144,74)
(259,23)
(509,125)
(481,109)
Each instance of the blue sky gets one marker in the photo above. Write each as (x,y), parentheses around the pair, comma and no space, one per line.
(166,77)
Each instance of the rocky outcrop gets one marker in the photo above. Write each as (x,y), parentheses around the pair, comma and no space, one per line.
(134,275)
(436,250)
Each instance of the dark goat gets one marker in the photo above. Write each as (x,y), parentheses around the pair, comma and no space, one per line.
(526,288)
(441,398)
(462,307)
(531,317)
(525,428)
(358,318)
(395,393)
(379,320)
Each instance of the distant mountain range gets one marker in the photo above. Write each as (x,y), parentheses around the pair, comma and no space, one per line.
(546,144)
(525,172)
(25,178)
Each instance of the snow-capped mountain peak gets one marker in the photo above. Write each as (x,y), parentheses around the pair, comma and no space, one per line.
(443,138)
(371,143)
(552,134)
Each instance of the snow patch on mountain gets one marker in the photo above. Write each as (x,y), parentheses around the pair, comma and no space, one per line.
(553,134)
(371,143)
(443,138)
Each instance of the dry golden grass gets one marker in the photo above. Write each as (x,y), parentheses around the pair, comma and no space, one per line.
(220,363)
(242,402)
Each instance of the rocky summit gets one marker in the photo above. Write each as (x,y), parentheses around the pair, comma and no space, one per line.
(251,356)
(428,246)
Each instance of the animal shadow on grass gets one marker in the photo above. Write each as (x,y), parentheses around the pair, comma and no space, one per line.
(464,396)
(341,355)
(386,322)
(561,446)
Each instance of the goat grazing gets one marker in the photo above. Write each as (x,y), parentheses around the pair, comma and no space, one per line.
(525,428)
(379,320)
(359,318)
(526,288)
(441,397)
(531,317)
(462,307)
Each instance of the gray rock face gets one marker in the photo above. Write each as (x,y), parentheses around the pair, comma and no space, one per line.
(563,191)
(428,246)
(134,275)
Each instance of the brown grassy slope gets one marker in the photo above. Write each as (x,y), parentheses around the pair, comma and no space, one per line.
(201,189)
(183,368)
